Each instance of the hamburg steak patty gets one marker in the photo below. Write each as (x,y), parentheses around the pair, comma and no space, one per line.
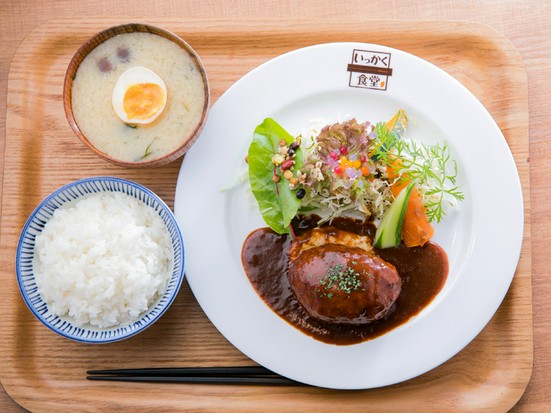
(337,277)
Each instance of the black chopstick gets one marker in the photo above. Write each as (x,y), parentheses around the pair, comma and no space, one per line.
(279,381)
(190,371)
(221,375)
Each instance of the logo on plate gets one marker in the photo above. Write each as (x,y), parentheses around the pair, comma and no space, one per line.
(369,69)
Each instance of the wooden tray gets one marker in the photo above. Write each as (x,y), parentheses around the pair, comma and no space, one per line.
(44,372)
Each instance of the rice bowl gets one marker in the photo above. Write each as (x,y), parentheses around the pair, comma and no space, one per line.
(92,279)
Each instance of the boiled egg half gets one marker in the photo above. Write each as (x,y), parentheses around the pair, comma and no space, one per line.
(139,95)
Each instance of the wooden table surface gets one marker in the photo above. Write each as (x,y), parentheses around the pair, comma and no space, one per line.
(526,23)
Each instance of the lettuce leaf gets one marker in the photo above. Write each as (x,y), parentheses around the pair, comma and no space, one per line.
(278,204)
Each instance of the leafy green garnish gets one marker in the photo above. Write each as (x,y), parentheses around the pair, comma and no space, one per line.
(277,202)
(386,136)
(432,168)
(385,139)
(147,151)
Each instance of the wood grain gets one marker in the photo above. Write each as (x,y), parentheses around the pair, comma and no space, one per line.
(45,372)
(526,23)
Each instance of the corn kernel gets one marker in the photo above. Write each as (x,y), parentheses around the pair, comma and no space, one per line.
(278,159)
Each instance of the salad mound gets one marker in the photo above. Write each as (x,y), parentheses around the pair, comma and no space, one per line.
(355,169)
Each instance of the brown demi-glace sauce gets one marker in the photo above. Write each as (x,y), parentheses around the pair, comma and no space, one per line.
(423,271)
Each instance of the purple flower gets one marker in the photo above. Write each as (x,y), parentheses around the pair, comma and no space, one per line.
(352,173)
(331,162)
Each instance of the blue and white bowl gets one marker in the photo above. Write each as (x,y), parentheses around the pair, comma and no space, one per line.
(34,226)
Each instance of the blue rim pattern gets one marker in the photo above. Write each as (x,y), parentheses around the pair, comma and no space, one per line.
(34,226)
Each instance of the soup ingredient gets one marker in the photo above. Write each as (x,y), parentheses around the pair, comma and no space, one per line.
(123,54)
(104,65)
(272,176)
(389,232)
(139,96)
(337,277)
(103,260)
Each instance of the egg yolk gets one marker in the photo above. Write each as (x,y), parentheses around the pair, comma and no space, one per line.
(142,101)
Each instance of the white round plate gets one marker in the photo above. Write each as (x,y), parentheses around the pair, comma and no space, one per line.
(370,82)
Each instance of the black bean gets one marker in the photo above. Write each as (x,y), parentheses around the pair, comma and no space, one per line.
(294,145)
(300,193)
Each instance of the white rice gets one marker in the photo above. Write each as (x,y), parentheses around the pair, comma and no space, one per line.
(103,260)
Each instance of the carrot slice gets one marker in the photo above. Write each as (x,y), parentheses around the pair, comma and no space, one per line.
(416,230)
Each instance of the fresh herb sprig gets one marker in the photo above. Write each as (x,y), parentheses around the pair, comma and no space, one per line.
(429,166)
(385,140)
(435,173)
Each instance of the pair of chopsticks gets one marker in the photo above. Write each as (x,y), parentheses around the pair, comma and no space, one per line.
(213,375)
